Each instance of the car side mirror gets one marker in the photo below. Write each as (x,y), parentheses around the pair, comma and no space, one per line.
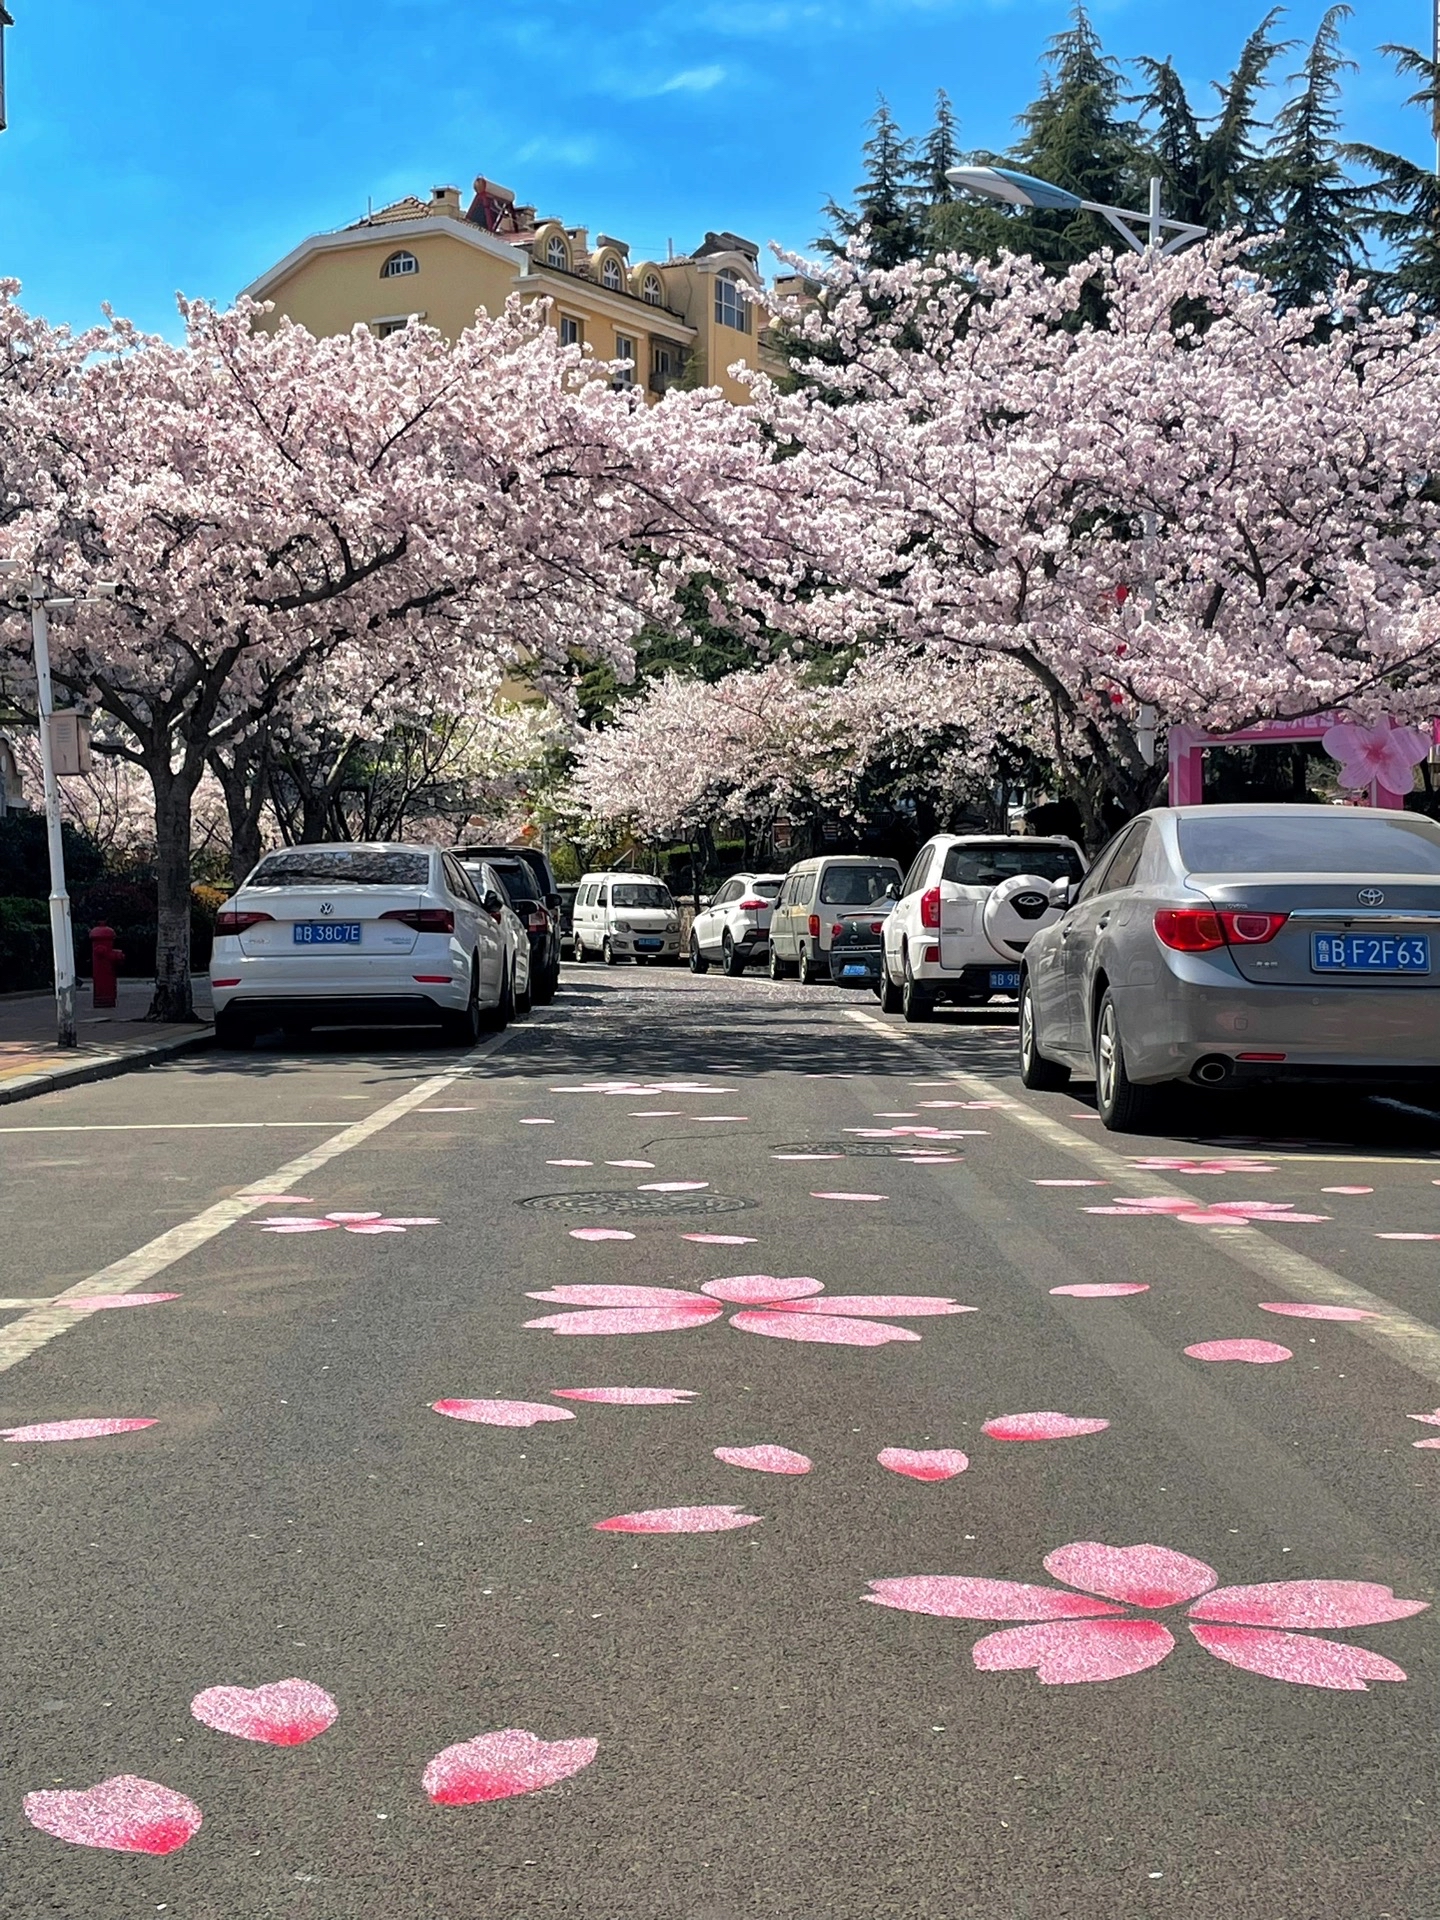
(493,904)
(1062,892)
(892,891)
(552,900)
(707,900)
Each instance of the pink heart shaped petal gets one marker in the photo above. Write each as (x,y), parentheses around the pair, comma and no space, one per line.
(282,1713)
(939,1463)
(678,1520)
(495,1766)
(1040,1426)
(766,1459)
(762,1289)
(1259,1353)
(104,1302)
(1142,1576)
(1299,1310)
(628,1396)
(501,1413)
(125,1814)
(1103,1289)
(75,1429)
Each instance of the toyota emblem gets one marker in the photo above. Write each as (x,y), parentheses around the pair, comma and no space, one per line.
(1371,896)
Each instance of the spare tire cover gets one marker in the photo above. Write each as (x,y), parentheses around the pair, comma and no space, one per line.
(1015,911)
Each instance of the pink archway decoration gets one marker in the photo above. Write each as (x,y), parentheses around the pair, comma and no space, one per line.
(1188,744)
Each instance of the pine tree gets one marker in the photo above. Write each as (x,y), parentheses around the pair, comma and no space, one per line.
(1321,210)
(1407,219)
(1213,168)
(939,151)
(884,200)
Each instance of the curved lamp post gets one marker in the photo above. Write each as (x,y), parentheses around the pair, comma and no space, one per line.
(1017,189)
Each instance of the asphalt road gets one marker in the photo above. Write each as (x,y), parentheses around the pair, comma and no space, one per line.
(767,1744)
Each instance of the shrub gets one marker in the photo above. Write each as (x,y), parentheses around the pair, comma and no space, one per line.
(25,857)
(25,956)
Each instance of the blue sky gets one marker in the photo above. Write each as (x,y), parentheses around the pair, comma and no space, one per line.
(163,146)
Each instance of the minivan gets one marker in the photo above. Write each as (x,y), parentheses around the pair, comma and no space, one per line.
(818,898)
(625,916)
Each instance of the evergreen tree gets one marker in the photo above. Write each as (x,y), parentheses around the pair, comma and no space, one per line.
(1320,209)
(1214,168)
(939,151)
(884,199)
(1407,219)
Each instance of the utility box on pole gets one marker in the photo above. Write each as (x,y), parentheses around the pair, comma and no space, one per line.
(70,742)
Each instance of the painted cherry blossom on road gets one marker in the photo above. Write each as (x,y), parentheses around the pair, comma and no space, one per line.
(1259,1353)
(678,1520)
(1428,1420)
(74,1429)
(720,1239)
(934,1463)
(1069,1183)
(569,1163)
(349,1222)
(1407,1236)
(282,1713)
(1211,1213)
(1303,1310)
(496,1766)
(125,1814)
(849,1196)
(501,1413)
(782,1308)
(1103,1289)
(600,1233)
(765,1459)
(1165,1163)
(1075,1634)
(1041,1426)
(1347,1189)
(628,1396)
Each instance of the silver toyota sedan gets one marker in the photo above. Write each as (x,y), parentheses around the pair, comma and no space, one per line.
(1224,945)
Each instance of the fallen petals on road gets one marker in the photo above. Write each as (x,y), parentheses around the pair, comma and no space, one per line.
(766,1459)
(125,1814)
(786,1310)
(500,1413)
(678,1520)
(349,1222)
(1259,1353)
(1041,1426)
(936,1463)
(74,1429)
(496,1766)
(283,1713)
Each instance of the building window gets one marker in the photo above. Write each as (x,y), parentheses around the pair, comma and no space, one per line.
(399,264)
(730,307)
(624,350)
(571,331)
(666,367)
(610,274)
(652,291)
(384,328)
(557,254)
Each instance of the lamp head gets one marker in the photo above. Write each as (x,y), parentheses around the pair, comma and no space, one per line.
(1014,188)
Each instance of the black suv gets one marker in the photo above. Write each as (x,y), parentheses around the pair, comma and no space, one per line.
(527,878)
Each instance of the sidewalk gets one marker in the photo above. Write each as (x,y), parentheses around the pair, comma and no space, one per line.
(112,1040)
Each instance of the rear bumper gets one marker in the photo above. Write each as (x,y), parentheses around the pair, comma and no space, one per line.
(964,982)
(363,984)
(350,1010)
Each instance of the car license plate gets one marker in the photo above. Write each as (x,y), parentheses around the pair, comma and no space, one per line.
(1369,953)
(327,933)
(1002,980)
(649,946)
(848,972)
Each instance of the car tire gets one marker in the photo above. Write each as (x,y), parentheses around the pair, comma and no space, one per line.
(607,952)
(544,992)
(778,968)
(809,976)
(1123,1107)
(698,962)
(524,1001)
(732,963)
(1036,1072)
(889,992)
(917,1002)
(463,1029)
(233,1031)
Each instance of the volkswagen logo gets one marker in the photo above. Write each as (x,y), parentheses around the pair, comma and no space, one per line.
(1371,896)
(328,906)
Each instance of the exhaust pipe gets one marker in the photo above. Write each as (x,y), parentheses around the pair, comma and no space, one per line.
(1213,1071)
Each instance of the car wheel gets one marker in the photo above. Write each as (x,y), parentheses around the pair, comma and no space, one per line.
(233,1030)
(698,962)
(731,962)
(1044,1076)
(607,952)
(543,991)
(889,992)
(1124,1107)
(806,969)
(524,1001)
(778,968)
(917,1002)
(463,1029)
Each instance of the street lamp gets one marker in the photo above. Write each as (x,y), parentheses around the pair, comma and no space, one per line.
(31,593)
(1024,190)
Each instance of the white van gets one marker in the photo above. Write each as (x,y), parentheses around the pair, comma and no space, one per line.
(626,916)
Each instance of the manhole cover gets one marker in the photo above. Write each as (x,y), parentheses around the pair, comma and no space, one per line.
(626,1203)
(861,1149)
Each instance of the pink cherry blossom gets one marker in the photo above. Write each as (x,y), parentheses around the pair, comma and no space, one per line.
(496,1766)
(1081,1636)
(1298,1310)
(1383,753)
(935,1463)
(282,1713)
(1103,1289)
(765,1459)
(125,1814)
(74,1429)
(1259,1353)
(1040,1426)
(1347,1189)
(678,1520)
(1162,1163)
(1211,1213)
(350,1222)
(501,1413)
(628,1396)
(783,1309)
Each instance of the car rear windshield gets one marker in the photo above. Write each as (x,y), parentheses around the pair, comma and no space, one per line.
(766,889)
(981,865)
(342,867)
(1310,840)
(518,876)
(856,886)
(633,896)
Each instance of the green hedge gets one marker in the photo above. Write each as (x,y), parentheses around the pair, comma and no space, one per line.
(25,959)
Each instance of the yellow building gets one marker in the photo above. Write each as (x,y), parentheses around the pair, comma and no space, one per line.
(681,319)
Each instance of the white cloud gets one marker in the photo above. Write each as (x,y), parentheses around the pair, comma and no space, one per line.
(692,80)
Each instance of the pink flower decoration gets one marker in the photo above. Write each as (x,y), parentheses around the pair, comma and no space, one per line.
(1103,1289)
(767,1459)
(678,1520)
(629,1163)
(600,1233)
(1165,1163)
(351,1222)
(1075,1637)
(74,1429)
(1040,1426)
(628,1396)
(125,1814)
(672,1186)
(1426,1420)
(849,1196)
(1296,1310)
(283,1713)
(1217,1213)
(1347,1189)
(569,1163)
(720,1239)
(1260,1353)
(785,1310)
(501,1413)
(495,1766)
(939,1463)
(1384,753)
(1069,1183)
(104,1302)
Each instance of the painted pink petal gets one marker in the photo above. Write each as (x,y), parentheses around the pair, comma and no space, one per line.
(279,1199)
(628,1396)
(766,1459)
(501,1413)
(569,1163)
(629,1163)
(1426,1419)
(537,1123)
(1152,1203)
(1298,1310)
(409,1220)
(1069,1183)
(600,1233)
(600,1295)
(849,1196)
(829,1329)
(103,1302)
(672,1186)
(1347,1189)
(939,1463)
(1290,1656)
(1424,1443)
(1069,1654)
(1103,1289)
(1306,1603)
(761,1288)
(678,1520)
(1040,1426)
(863,1306)
(956,1597)
(807,1156)
(626,1320)
(299,1226)
(720,1239)
(126,1814)
(283,1713)
(1145,1576)
(346,1217)
(74,1429)
(494,1766)
(381,1226)
(1260,1353)
(1407,1236)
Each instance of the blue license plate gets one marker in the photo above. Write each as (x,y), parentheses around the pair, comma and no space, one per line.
(1004,981)
(649,946)
(848,972)
(1369,953)
(327,933)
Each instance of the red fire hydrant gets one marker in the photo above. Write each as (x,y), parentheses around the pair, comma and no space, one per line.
(105,957)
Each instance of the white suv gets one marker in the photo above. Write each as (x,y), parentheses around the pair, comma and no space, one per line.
(734,926)
(968,908)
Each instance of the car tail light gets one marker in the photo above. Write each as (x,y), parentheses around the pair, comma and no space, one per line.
(814,926)
(238,922)
(536,920)
(225,983)
(837,932)
(930,908)
(1252,929)
(877,926)
(753,906)
(1203,929)
(931,956)
(433,979)
(423,919)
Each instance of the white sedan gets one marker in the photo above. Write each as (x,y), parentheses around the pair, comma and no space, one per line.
(356,934)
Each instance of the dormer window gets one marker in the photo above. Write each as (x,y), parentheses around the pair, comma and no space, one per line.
(398,265)
(731,309)
(610,274)
(557,254)
(652,291)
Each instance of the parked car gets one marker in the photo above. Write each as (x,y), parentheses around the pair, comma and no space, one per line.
(360,934)
(818,896)
(733,927)
(626,916)
(567,921)
(546,953)
(857,952)
(967,908)
(1225,945)
(515,915)
(517,879)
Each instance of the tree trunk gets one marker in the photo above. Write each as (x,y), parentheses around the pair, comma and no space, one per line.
(173,795)
(243,780)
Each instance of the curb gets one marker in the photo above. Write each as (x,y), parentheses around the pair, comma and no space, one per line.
(103,1066)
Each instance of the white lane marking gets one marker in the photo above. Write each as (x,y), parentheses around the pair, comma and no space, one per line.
(167,1126)
(38,1327)
(1394,1332)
